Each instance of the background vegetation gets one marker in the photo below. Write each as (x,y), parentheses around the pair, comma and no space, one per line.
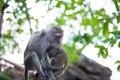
(85,25)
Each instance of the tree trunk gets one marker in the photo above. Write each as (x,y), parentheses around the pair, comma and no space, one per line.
(87,69)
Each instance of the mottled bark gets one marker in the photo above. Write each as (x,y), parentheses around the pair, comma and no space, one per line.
(87,69)
(5,5)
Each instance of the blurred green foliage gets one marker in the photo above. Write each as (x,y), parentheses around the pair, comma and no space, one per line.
(97,21)
(118,62)
(4,77)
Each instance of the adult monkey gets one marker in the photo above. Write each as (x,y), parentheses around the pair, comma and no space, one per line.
(37,52)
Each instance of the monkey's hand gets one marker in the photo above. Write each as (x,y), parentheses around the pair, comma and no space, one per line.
(47,67)
(44,77)
(49,73)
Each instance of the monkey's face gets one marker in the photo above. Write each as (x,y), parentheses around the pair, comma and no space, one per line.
(53,52)
(53,49)
(57,36)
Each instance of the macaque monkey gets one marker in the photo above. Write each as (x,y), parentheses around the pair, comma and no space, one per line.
(59,60)
(40,49)
(59,63)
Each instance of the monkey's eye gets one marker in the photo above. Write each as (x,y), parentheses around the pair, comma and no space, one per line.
(58,35)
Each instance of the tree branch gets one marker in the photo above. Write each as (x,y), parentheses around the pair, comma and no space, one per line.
(5,5)
(16,66)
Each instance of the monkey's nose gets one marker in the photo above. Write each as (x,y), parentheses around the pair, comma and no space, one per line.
(59,35)
(58,42)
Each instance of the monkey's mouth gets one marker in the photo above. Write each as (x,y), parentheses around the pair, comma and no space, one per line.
(51,55)
(58,42)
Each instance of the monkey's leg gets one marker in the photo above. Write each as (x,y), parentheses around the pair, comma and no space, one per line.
(26,74)
(37,65)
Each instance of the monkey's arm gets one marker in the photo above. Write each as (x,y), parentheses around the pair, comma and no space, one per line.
(59,64)
(59,67)
(47,66)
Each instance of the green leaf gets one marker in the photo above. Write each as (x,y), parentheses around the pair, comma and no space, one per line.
(105,28)
(58,4)
(20,21)
(73,1)
(85,21)
(118,68)
(8,35)
(93,21)
(8,12)
(101,12)
(60,20)
(72,16)
(106,40)
(77,38)
(17,1)
(116,34)
(72,53)
(80,1)
(3,76)
(15,45)
(105,53)
(116,4)
(119,44)
(102,51)
(99,46)
(2,49)
(36,1)
(117,62)
(9,19)
(112,42)
(88,38)
(118,18)
(19,30)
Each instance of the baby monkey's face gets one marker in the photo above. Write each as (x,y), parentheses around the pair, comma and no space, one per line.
(54,50)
